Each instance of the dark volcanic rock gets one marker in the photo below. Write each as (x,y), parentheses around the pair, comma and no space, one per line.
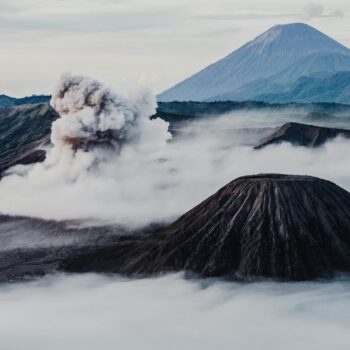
(303,135)
(24,131)
(20,126)
(288,227)
(33,247)
(276,226)
(27,154)
(285,227)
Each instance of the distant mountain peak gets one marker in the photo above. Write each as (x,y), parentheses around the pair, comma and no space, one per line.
(298,32)
(276,31)
(270,53)
(296,27)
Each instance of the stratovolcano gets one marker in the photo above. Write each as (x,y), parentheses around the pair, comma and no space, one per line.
(288,63)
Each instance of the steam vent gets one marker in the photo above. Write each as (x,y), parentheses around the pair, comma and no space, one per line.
(278,226)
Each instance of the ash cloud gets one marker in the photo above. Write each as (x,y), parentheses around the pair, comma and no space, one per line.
(92,114)
(96,126)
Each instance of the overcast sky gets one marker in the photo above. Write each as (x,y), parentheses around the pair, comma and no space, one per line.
(154,42)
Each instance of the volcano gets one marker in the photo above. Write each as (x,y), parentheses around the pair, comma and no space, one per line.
(303,135)
(284,227)
(276,226)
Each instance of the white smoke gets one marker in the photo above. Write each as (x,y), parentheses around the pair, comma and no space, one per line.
(88,110)
(91,115)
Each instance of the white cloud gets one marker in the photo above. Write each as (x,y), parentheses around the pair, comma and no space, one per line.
(98,312)
(337,13)
(315,10)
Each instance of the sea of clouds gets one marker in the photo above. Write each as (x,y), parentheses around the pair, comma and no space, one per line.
(148,175)
(170,312)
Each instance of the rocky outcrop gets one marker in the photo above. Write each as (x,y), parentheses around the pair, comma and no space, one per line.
(25,131)
(31,153)
(275,226)
(302,135)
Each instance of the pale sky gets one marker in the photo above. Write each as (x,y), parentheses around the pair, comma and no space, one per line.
(150,42)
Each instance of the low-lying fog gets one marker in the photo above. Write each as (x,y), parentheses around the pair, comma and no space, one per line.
(99,312)
(160,183)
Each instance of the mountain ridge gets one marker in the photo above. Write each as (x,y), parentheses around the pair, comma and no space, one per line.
(8,101)
(305,135)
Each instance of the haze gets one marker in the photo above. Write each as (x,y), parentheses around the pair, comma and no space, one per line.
(156,43)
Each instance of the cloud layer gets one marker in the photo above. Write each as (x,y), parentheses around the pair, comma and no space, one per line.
(315,10)
(90,312)
(152,180)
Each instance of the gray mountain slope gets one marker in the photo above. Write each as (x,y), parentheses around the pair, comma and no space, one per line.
(269,54)
(316,88)
(320,65)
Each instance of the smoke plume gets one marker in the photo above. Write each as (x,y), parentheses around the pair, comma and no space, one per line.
(98,312)
(91,115)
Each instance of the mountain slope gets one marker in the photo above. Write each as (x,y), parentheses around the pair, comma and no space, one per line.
(316,88)
(320,62)
(23,125)
(320,65)
(271,53)
(24,130)
(303,135)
